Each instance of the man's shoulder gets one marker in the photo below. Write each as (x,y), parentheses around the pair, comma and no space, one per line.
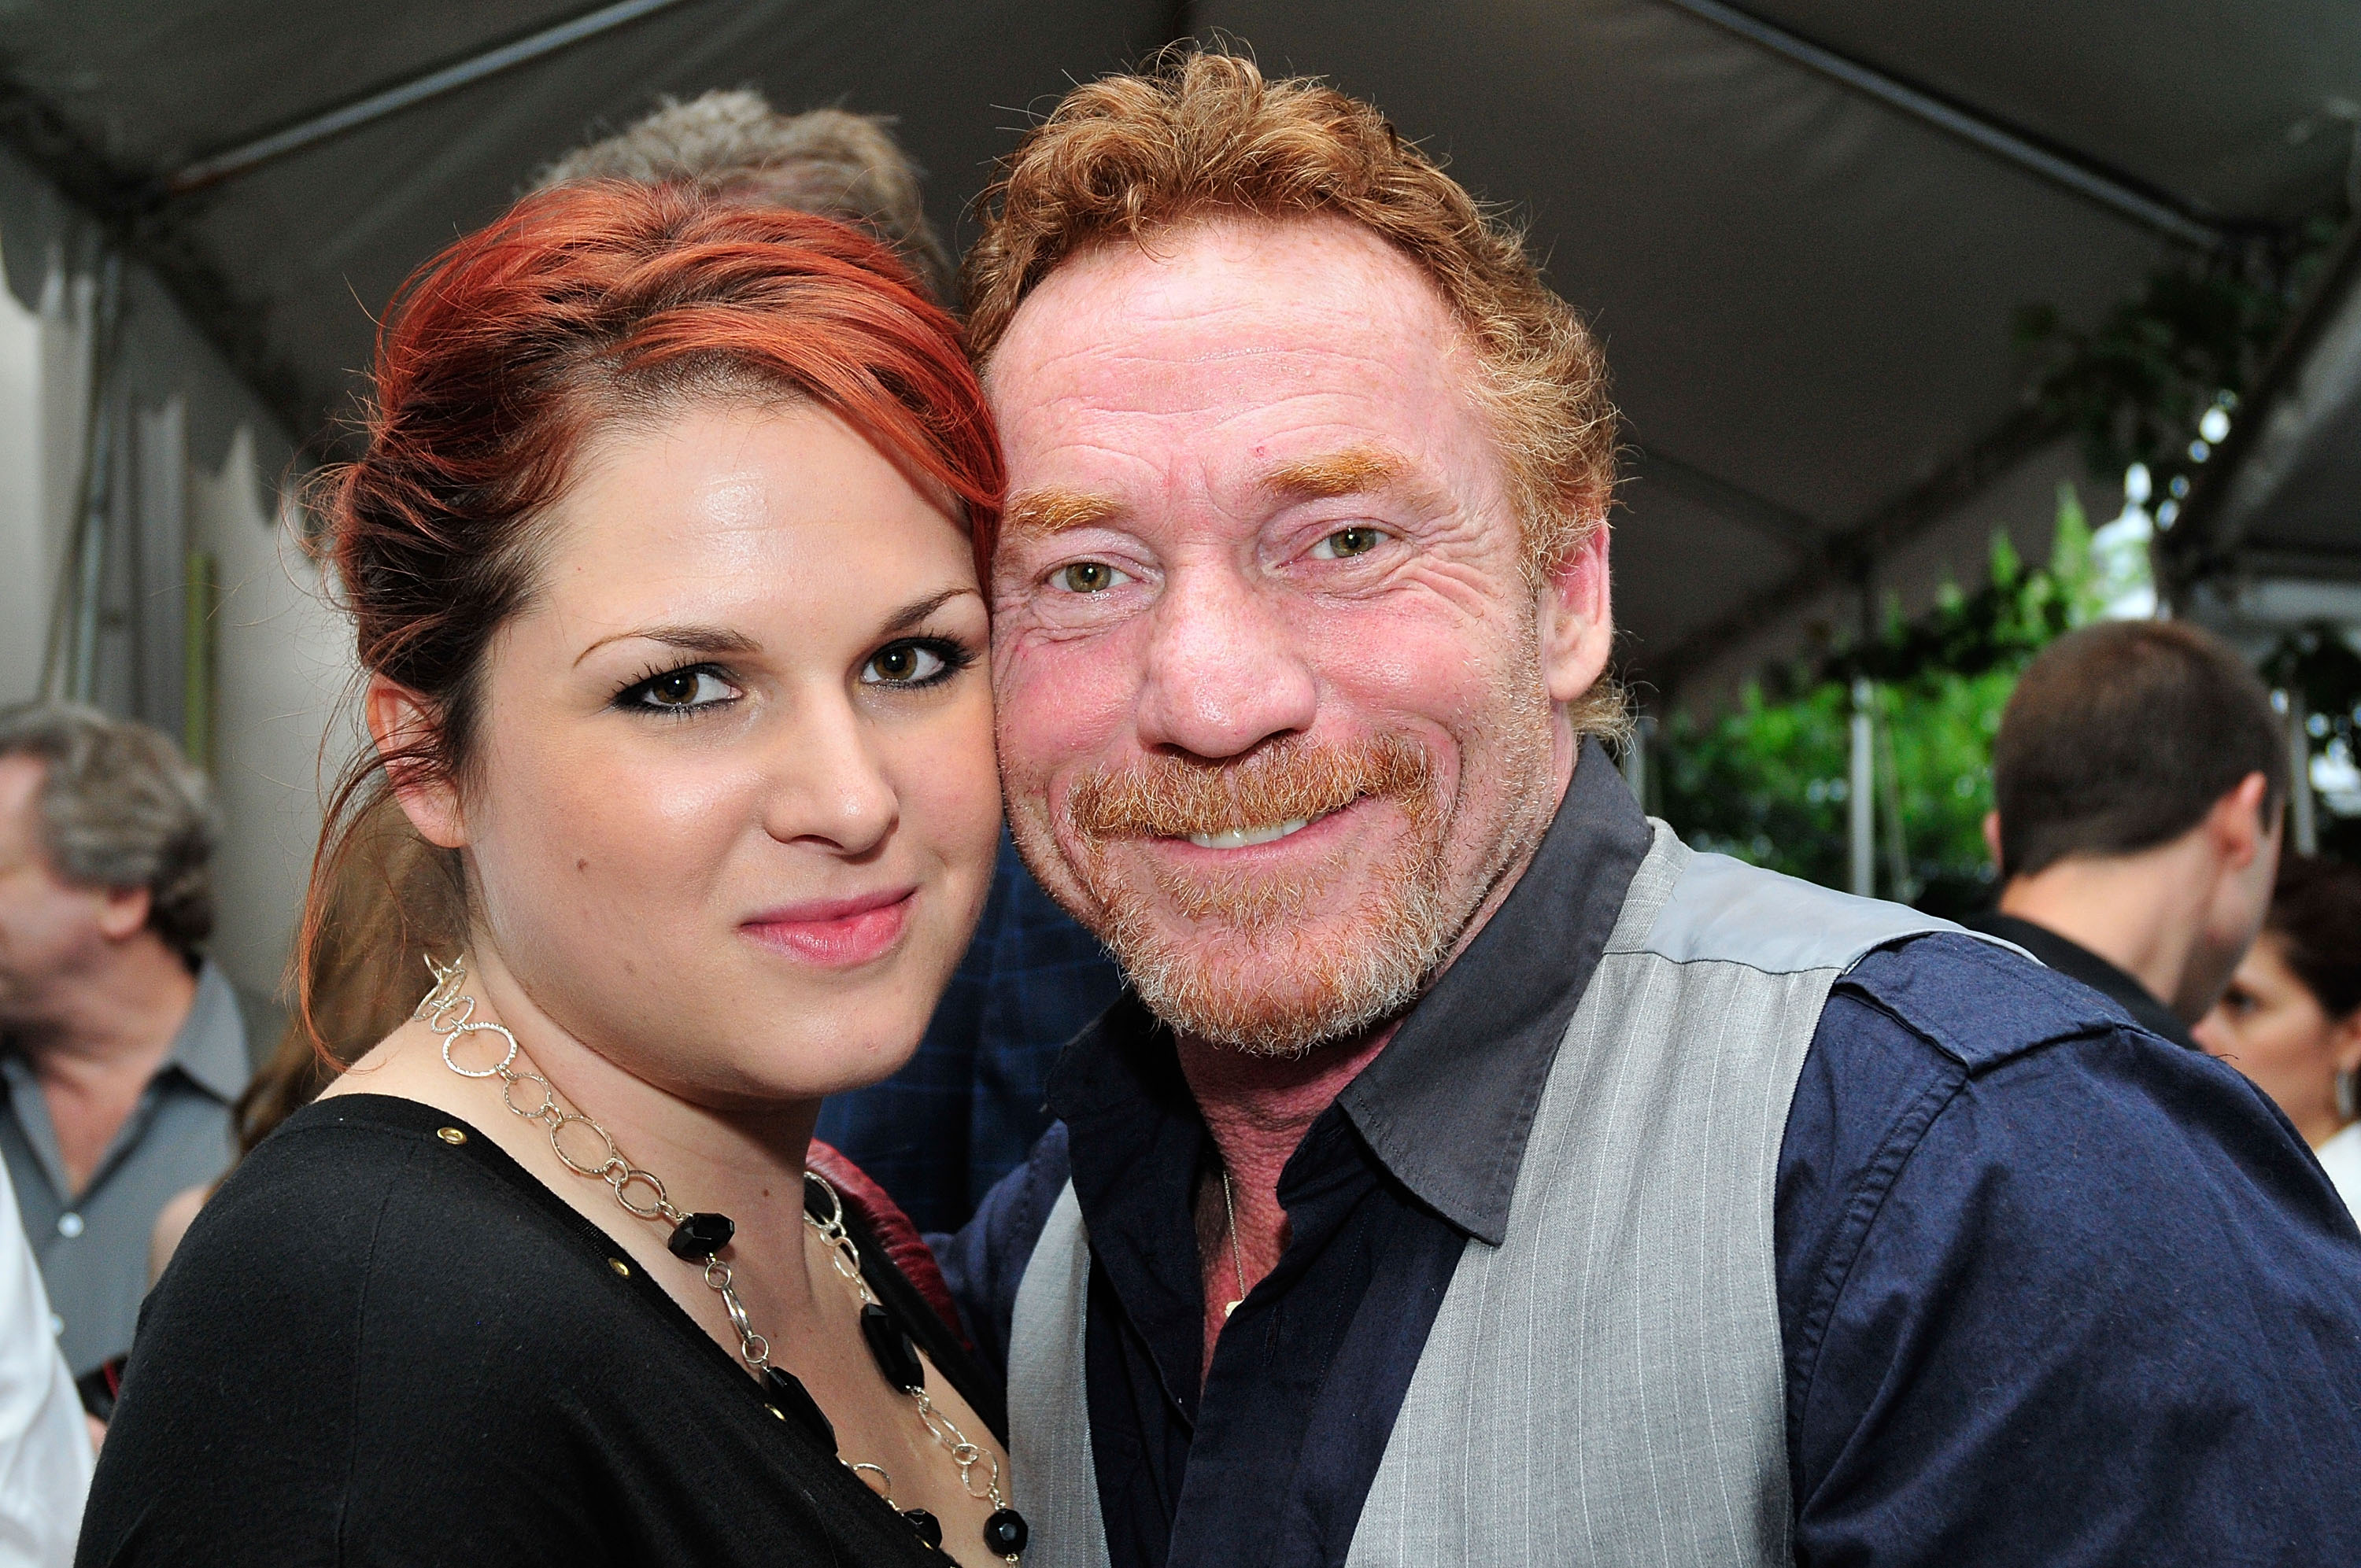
(1978,1002)
(1716,909)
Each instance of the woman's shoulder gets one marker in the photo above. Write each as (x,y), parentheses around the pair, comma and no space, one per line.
(372,1225)
(329,1189)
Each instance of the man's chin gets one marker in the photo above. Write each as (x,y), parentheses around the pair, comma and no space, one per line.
(1272,992)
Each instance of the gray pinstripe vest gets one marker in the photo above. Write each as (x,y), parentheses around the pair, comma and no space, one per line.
(1607,1386)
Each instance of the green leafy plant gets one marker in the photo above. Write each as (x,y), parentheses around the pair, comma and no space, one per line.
(1767,780)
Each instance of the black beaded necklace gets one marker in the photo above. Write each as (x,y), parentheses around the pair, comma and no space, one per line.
(698,1238)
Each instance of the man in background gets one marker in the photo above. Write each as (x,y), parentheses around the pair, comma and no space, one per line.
(2138,781)
(122,1047)
(733,144)
(963,1113)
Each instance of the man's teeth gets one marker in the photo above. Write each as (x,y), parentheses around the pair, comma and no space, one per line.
(1240,838)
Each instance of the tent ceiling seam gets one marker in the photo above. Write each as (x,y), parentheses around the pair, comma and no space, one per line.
(374,107)
(1850,556)
(1735,502)
(2120,193)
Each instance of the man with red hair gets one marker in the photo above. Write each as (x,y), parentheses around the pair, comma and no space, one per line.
(1473,1174)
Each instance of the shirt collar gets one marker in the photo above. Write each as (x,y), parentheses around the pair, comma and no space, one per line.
(1448,1105)
(211,1047)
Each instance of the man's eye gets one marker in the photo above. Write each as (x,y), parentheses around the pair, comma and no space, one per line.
(910,665)
(1358,540)
(1087,577)
(681,691)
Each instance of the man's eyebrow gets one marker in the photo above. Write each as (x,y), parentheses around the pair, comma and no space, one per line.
(689,638)
(1350,471)
(1049,511)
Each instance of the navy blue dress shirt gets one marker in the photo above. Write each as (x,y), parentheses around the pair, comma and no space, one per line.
(2051,1290)
(966,1109)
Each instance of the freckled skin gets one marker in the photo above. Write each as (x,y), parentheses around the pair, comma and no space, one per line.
(1172,379)
(1172,382)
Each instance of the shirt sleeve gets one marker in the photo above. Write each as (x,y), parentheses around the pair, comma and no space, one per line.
(45,1452)
(2091,1304)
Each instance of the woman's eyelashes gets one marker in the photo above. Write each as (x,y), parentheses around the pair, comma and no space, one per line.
(908,664)
(915,664)
(689,689)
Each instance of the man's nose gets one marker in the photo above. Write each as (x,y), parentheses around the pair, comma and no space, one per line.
(1224,671)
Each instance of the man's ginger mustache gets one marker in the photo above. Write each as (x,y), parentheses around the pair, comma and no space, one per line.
(1250,973)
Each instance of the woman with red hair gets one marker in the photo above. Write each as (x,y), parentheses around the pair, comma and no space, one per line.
(661,559)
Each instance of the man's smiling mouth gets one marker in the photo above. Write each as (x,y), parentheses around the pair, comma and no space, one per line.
(1265,833)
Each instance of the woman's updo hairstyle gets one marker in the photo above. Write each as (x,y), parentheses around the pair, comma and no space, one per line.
(586,305)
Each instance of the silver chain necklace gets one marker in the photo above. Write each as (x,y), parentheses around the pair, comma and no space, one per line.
(698,1238)
(1237,1259)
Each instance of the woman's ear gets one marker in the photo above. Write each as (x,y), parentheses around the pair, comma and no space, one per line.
(403,726)
(2344,1042)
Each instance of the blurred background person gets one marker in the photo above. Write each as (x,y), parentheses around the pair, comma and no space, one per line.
(732,143)
(45,1447)
(2138,781)
(2291,1017)
(125,1046)
(973,1100)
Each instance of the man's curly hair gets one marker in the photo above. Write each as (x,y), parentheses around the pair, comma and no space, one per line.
(1200,131)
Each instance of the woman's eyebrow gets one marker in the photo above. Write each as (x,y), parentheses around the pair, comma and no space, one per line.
(918,611)
(689,638)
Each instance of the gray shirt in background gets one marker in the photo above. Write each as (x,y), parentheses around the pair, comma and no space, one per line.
(93,1246)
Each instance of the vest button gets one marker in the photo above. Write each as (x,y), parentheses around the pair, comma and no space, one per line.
(69,1224)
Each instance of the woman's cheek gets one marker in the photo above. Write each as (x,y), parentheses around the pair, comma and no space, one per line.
(952,787)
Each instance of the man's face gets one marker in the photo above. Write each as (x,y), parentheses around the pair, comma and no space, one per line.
(50,929)
(1278,702)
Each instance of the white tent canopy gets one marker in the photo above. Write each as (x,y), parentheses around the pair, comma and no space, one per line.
(1803,226)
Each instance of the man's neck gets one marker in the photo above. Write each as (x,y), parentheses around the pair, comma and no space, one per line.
(121,1014)
(2141,913)
(94,1044)
(1259,1107)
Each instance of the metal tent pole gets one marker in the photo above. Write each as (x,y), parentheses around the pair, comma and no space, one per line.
(1862,790)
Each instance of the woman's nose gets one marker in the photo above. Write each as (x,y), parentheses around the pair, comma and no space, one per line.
(826,784)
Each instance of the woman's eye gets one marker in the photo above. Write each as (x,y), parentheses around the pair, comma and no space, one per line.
(1087,577)
(1358,540)
(913,663)
(681,691)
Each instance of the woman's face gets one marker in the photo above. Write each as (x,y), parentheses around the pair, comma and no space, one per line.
(2272,1028)
(733,806)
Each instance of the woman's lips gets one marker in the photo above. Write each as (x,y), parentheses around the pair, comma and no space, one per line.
(837,932)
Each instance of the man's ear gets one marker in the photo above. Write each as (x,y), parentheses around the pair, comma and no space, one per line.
(1577,620)
(125,913)
(2236,826)
(1992,837)
(403,726)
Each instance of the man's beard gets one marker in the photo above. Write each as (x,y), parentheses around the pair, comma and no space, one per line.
(1259,970)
